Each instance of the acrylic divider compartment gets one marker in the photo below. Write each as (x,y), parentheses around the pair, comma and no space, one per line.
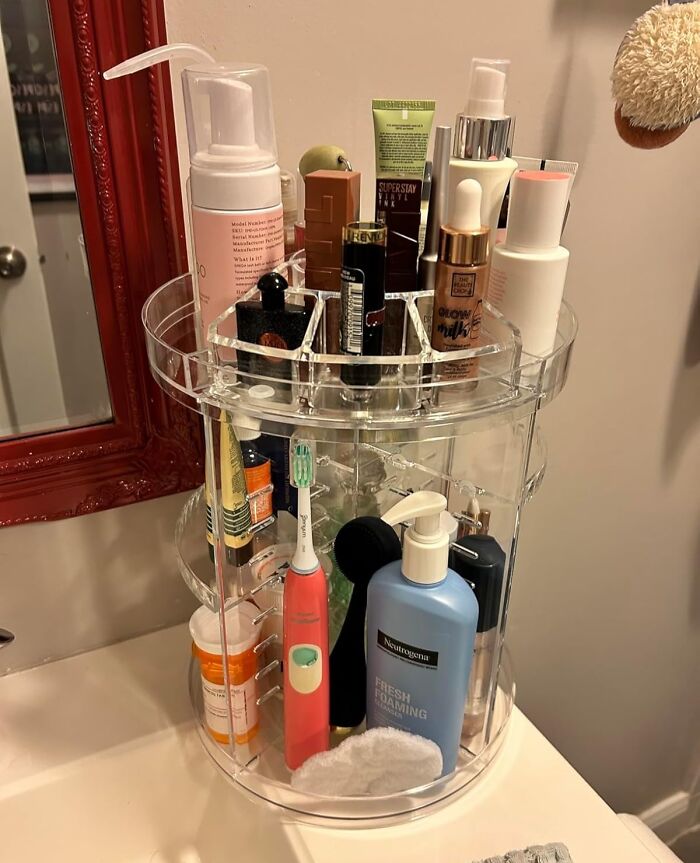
(475,441)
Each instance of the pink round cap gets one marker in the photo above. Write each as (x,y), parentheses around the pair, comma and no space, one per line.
(536,211)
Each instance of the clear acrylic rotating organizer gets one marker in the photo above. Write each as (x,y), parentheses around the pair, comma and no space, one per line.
(474,440)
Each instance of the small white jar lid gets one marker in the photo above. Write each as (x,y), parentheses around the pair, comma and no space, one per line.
(241,632)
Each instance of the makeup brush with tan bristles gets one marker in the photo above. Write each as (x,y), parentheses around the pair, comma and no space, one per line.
(656,76)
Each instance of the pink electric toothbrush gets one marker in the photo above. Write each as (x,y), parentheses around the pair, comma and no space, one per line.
(305,630)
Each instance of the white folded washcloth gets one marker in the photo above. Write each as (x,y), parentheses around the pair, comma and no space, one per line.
(376,762)
(554,853)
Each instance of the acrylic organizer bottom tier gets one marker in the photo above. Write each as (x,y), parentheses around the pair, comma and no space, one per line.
(265,776)
(484,475)
(257,765)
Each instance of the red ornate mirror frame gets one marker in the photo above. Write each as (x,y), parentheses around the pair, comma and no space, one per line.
(126,174)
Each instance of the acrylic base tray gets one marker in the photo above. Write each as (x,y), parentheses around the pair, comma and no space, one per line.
(266,777)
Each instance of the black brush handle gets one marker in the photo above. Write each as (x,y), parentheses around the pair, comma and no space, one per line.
(348,669)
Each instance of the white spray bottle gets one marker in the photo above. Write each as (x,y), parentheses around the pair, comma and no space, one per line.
(482,138)
(234,187)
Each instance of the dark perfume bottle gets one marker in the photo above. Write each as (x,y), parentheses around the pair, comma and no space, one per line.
(270,322)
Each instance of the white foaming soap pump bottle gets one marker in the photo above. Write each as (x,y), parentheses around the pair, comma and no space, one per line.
(421,624)
(234,187)
(482,138)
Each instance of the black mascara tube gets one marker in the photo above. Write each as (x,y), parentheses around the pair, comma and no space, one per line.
(362,299)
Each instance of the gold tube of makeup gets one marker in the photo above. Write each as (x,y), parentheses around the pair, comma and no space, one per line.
(234,496)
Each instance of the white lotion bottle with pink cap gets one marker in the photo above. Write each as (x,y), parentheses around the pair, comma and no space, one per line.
(235,189)
(528,270)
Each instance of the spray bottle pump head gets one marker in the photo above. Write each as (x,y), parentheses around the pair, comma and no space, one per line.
(426,543)
(483,130)
(487,89)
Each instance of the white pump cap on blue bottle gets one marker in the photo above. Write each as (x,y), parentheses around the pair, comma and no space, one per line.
(426,544)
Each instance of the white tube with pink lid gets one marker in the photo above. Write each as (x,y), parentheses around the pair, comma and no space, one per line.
(528,270)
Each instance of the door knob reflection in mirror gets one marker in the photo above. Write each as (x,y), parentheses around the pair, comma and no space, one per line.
(12,262)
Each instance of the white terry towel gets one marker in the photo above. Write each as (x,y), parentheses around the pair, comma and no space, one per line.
(554,853)
(378,761)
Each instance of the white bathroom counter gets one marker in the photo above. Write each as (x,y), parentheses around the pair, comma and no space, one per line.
(101,763)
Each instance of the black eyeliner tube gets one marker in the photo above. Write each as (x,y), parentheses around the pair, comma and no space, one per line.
(362,299)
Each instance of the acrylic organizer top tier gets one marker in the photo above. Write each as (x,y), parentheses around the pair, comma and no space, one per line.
(415,387)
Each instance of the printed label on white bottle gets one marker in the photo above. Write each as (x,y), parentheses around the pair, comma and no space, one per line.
(232,251)
(243,707)
(498,282)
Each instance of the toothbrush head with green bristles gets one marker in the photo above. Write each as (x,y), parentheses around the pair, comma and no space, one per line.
(301,468)
(302,464)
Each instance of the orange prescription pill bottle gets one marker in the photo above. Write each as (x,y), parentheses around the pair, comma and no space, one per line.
(258,481)
(242,635)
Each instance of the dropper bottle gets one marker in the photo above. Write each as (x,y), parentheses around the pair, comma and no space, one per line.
(460,282)
(482,139)
(234,186)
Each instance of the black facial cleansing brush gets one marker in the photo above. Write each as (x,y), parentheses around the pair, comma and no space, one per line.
(362,546)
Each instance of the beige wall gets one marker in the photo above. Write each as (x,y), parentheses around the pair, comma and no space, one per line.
(72,585)
(605,622)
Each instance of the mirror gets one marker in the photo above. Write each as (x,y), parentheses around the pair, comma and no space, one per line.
(52,371)
(83,424)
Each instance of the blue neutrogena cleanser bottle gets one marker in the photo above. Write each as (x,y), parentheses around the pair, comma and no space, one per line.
(421,623)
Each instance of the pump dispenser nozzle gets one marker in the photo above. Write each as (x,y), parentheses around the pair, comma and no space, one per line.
(228,109)
(232,119)
(229,131)
(231,105)
(487,93)
(482,132)
(426,544)
(174,51)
